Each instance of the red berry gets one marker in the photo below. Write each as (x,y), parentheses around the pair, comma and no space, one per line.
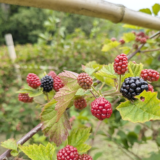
(80,103)
(25,98)
(122,41)
(52,74)
(68,153)
(84,80)
(101,108)
(33,80)
(84,157)
(141,34)
(150,75)
(57,84)
(138,39)
(121,64)
(150,88)
(113,39)
(143,40)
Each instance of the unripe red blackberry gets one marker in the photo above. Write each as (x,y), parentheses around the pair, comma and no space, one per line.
(33,80)
(80,103)
(25,98)
(150,88)
(84,157)
(150,75)
(101,108)
(121,64)
(122,41)
(52,74)
(141,34)
(143,40)
(84,80)
(57,83)
(113,39)
(68,153)
(47,83)
(138,39)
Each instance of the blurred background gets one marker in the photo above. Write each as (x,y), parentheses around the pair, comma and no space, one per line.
(46,40)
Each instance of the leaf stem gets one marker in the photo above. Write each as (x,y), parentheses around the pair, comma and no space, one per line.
(93,94)
(95,90)
(119,84)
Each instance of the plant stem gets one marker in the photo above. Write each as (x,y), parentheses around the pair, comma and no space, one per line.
(150,50)
(93,94)
(95,90)
(112,94)
(25,138)
(138,50)
(119,84)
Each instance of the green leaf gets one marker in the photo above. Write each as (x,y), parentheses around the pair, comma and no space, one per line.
(97,155)
(139,111)
(31,92)
(107,71)
(67,93)
(9,144)
(146,10)
(77,138)
(153,156)
(40,152)
(132,137)
(110,46)
(125,49)
(14,153)
(50,103)
(132,26)
(135,69)
(129,37)
(56,131)
(156,8)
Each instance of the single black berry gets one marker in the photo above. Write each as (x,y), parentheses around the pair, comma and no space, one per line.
(47,83)
(133,86)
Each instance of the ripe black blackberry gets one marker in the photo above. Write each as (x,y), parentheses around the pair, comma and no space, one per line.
(133,86)
(47,83)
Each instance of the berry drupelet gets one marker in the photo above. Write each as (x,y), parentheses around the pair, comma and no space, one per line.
(68,153)
(57,84)
(101,108)
(23,97)
(33,80)
(150,75)
(133,86)
(47,83)
(121,64)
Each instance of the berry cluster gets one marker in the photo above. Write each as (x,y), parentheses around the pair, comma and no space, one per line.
(25,98)
(121,64)
(57,84)
(80,103)
(133,86)
(68,153)
(101,108)
(141,37)
(122,41)
(33,80)
(47,83)
(84,80)
(84,157)
(150,75)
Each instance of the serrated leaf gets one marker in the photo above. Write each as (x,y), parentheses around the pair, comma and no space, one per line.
(156,8)
(139,111)
(56,131)
(107,71)
(31,92)
(94,65)
(146,10)
(9,144)
(40,152)
(129,37)
(81,92)
(67,93)
(135,69)
(83,148)
(50,103)
(110,46)
(78,137)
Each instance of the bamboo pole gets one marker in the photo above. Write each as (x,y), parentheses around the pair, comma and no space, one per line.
(94,8)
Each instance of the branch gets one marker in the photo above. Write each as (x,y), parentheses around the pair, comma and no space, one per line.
(22,141)
(139,49)
(151,50)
